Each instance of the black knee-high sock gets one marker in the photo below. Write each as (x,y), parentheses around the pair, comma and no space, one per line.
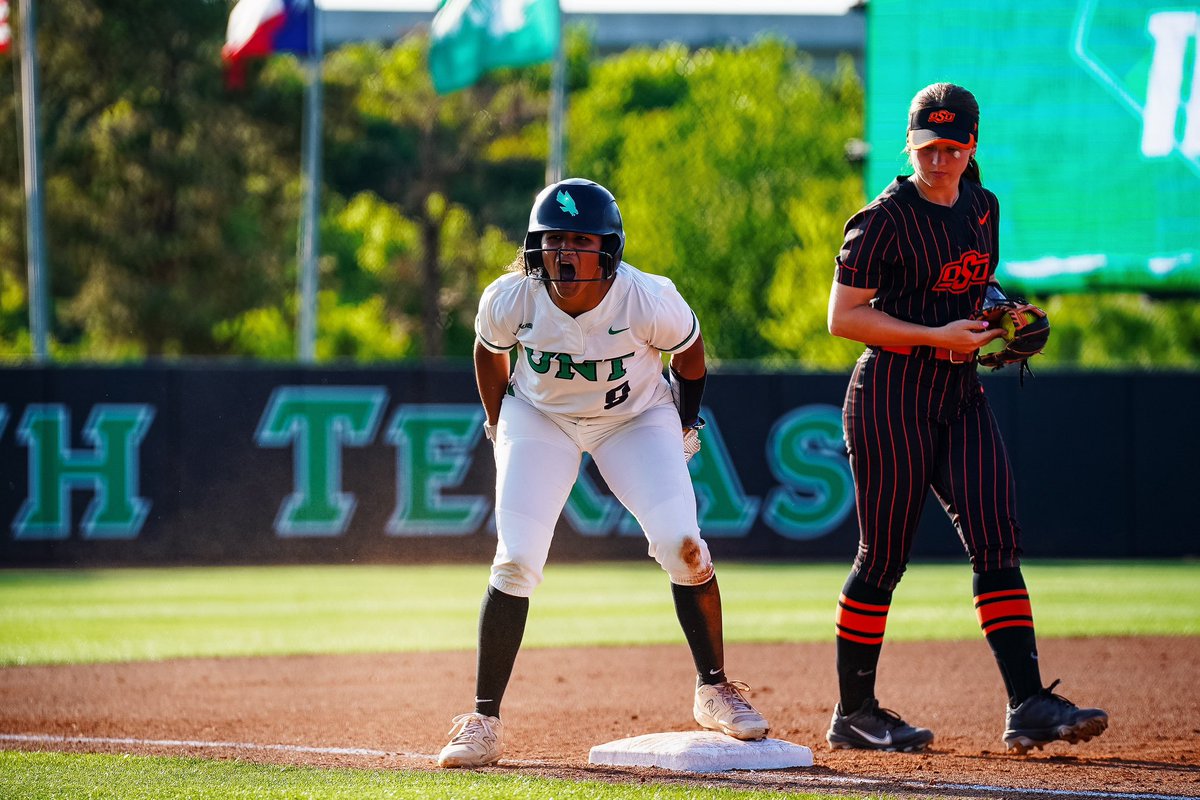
(699,611)
(860,621)
(501,628)
(1006,617)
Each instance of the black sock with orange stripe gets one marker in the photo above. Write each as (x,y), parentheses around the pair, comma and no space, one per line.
(861,618)
(1006,617)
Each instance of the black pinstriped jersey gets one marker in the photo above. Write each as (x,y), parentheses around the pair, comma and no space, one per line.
(928,263)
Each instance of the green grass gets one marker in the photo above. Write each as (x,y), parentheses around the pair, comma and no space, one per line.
(49,776)
(78,616)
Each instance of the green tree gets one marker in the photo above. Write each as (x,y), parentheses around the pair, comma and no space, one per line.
(452,169)
(717,157)
(162,197)
(1128,330)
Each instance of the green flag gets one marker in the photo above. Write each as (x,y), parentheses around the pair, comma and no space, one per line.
(470,37)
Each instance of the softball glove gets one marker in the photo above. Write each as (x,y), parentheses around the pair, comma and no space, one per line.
(1026,329)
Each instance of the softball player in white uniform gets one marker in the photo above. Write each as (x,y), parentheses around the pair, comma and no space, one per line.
(587,332)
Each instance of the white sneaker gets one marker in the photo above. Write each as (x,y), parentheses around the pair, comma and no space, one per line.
(721,707)
(474,742)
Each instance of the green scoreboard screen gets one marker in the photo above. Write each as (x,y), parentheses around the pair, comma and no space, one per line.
(1089,130)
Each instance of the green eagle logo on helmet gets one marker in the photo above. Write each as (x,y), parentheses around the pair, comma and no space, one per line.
(567,203)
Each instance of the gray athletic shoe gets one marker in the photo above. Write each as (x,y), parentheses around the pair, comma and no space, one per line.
(722,707)
(1047,717)
(875,728)
(474,742)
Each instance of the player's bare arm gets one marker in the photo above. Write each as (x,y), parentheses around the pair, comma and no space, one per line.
(491,376)
(851,316)
(689,363)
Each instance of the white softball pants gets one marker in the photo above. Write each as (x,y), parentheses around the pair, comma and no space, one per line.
(641,459)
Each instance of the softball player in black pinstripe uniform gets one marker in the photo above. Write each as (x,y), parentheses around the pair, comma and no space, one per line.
(913,269)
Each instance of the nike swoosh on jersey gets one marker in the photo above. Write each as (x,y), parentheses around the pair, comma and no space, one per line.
(619,330)
(983,220)
(884,741)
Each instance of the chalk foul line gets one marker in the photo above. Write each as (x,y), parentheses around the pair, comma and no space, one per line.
(33,738)
(182,743)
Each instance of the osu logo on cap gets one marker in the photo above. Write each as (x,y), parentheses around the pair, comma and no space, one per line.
(941,116)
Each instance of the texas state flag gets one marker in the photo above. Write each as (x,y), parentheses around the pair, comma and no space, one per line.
(259,28)
(5,30)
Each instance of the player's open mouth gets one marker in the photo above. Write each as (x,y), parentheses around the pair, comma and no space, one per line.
(566,272)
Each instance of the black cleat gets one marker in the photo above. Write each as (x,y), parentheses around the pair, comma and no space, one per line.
(1047,717)
(875,728)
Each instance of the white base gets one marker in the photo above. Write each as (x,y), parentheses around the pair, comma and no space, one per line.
(700,751)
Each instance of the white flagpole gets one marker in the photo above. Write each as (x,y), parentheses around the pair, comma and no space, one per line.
(554,164)
(309,244)
(35,244)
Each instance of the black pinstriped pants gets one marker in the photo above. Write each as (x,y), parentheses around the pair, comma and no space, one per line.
(914,423)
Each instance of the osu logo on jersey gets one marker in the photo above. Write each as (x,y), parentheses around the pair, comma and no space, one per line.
(940,116)
(970,270)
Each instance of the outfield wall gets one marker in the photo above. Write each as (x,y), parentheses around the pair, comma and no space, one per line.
(252,464)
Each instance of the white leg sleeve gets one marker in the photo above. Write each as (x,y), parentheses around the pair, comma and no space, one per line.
(643,465)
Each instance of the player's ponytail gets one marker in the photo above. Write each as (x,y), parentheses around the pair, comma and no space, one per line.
(972,171)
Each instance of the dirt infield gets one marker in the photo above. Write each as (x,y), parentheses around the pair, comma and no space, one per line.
(394,710)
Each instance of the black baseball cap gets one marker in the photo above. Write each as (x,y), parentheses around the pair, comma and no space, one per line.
(938,124)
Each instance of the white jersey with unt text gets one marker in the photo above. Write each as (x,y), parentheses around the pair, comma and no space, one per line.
(605,362)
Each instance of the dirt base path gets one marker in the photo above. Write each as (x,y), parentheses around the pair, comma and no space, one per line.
(393,711)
